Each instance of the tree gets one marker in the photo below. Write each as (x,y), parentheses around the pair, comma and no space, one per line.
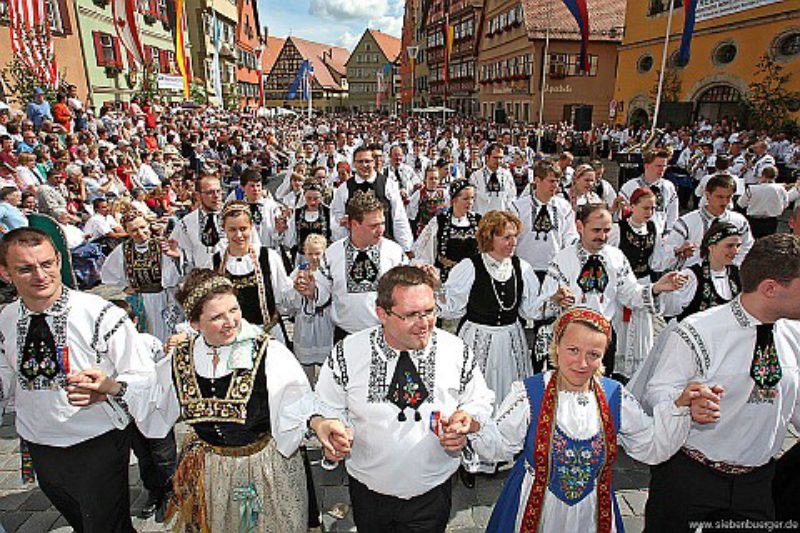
(21,81)
(768,99)
(671,91)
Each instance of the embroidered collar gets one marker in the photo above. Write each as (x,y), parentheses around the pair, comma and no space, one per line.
(390,353)
(240,352)
(743,318)
(499,270)
(708,217)
(58,308)
(583,253)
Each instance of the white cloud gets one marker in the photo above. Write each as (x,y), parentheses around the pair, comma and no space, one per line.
(348,9)
(348,40)
(387,24)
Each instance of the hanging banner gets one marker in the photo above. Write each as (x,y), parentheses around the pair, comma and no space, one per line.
(169,82)
(710,9)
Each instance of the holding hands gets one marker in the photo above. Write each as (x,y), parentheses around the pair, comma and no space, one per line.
(702,400)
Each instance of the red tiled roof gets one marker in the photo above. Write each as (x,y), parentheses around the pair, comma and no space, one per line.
(604,15)
(325,58)
(272,48)
(390,46)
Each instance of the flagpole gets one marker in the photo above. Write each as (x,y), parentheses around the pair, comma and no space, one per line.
(663,68)
(545,70)
(308,88)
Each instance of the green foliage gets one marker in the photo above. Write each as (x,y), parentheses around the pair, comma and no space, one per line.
(769,100)
(197,91)
(21,81)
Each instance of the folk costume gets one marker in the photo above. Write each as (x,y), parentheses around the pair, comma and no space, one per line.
(152,276)
(636,332)
(547,228)
(492,296)
(494,190)
(313,330)
(447,240)
(667,201)
(399,472)
(563,480)
(349,277)
(263,289)
(756,364)
(424,205)
(603,281)
(80,454)
(200,236)
(247,404)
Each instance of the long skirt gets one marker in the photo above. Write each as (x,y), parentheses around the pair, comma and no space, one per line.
(501,352)
(259,491)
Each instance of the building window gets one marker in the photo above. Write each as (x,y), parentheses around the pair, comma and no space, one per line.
(674,61)
(644,64)
(724,53)
(661,6)
(787,46)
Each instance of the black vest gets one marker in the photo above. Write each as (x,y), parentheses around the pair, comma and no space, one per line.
(454,243)
(229,433)
(482,305)
(247,289)
(637,248)
(303,228)
(378,187)
(706,291)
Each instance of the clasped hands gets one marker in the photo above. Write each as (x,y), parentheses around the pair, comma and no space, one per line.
(337,439)
(89,387)
(702,400)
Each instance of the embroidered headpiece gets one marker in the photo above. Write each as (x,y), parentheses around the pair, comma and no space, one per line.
(582,314)
(130,215)
(638,193)
(457,186)
(720,231)
(202,290)
(236,208)
(311,184)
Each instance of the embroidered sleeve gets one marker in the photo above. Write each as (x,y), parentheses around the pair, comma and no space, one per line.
(338,365)
(695,343)
(467,369)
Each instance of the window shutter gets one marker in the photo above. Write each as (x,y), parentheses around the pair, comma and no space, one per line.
(117,53)
(154,8)
(98,49)
(163,61)
(63,14)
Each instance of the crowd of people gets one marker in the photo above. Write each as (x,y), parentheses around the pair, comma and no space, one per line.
(425,300)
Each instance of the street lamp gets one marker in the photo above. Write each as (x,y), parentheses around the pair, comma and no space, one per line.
(412,55)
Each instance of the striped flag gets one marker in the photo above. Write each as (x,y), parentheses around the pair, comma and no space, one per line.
(180,51)
(124,13)
(581,13)
(690,10)
(31,40)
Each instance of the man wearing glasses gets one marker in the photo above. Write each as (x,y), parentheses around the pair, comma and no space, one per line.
(385,190)
(80,453)
(199,234)
(399,398)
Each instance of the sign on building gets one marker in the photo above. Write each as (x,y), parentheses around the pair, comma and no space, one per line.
(709,9)
(169,82)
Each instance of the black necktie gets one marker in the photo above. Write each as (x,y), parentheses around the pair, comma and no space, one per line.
(255,212)
(417,164)
(493,185)
(364,186)
(39,355)
(659,196)
(593,276)
(765,368)
(542,223)
(363,269)
(210,236)
(406,388)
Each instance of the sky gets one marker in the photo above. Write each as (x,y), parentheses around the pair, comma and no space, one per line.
(338,22)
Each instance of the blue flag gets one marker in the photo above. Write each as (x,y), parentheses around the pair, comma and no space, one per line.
(298,85)
(581,13)
(689,9)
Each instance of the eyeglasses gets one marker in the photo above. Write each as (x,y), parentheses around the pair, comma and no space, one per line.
(364,161)
(413,317)
(215,192)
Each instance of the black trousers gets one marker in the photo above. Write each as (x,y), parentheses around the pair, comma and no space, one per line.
(786,485)
(88,482)
(762,226)
(158,459)
(684,491)
(426,513)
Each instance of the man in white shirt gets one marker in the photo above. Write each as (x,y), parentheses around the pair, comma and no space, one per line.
(385,190)
(404,446)
(494,185)
(402,174)
(102,227)
(762,158)
(80,452)
(352,266)
(746,349)
(199,234)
